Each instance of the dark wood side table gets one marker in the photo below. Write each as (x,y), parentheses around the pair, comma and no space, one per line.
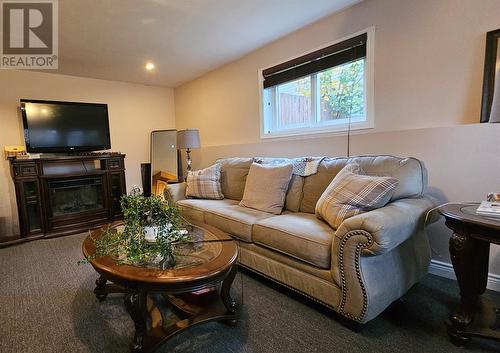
(469,250)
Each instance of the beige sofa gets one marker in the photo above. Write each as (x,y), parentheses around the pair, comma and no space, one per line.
(371,260)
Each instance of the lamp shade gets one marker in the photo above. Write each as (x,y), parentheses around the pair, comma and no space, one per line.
(189,138)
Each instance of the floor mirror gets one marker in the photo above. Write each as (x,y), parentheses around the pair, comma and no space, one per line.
(164,160)
(490,109)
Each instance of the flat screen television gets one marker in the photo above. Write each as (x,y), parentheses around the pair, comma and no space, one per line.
(62,127)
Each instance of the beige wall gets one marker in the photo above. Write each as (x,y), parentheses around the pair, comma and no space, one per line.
(428,75)
(428,68)
(134,110)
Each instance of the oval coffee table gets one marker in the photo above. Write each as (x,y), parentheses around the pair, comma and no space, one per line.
(196,290)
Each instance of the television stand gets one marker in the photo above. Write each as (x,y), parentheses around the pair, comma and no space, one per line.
(60,195)
(78,154)
(95,154)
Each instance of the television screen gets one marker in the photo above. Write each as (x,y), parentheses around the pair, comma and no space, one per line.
(51,126)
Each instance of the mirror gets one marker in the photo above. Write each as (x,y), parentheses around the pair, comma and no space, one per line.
(490,108)
(164,160)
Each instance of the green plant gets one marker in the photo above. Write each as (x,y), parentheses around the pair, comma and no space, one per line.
(342,91)
(129,246)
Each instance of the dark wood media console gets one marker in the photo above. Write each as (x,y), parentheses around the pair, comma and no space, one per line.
(66,195)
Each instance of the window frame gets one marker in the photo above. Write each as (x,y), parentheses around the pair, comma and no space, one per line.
(332,128)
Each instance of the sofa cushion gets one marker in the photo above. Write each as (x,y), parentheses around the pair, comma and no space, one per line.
(195,208)
(410,172)
(266,187)
(234,173)
(351,193)
(235,220)
(294,193)
(300,235)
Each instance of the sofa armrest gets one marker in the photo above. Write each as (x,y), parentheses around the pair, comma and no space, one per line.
(389,226)
(373,233)
(175,192)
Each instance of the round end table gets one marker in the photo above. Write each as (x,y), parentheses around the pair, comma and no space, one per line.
(195,290)
(469,250)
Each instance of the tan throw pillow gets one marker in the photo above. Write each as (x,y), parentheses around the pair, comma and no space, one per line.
(233,175)
(266,187)
(204,183)
(351,193)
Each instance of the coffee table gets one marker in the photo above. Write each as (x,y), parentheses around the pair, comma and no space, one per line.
(195,291)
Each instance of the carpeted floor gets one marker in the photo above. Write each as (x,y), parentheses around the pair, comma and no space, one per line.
(47,305)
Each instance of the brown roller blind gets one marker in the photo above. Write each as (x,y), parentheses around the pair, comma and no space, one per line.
(333,55)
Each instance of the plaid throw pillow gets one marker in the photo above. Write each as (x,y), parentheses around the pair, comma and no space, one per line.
(204,183)
(351,193)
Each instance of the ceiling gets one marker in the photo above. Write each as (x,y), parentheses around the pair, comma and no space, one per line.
(113,39)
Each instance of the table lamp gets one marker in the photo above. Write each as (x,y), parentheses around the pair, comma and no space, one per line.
(186,140)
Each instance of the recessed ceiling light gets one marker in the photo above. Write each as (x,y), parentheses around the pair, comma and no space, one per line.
(149,66)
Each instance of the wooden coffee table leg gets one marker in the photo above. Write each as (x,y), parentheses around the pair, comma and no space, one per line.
(100,288)
(225,293)
(136,304)
(470,262)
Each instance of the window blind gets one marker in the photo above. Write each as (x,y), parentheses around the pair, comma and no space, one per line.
(333,55)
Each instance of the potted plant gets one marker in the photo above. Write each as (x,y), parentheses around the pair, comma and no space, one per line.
(151,228)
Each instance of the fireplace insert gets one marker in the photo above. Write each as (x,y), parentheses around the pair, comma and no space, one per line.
(76,195)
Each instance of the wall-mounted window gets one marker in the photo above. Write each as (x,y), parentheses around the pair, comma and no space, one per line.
(328,90)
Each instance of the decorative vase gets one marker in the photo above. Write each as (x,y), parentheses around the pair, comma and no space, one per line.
(150,234)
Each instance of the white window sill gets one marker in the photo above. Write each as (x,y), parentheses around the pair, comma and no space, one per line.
(337,130)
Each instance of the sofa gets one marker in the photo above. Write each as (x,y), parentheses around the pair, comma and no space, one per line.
(359,269)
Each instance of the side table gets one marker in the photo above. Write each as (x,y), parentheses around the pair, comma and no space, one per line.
(469,250)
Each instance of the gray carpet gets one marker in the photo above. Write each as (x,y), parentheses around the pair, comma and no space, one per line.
(47,305)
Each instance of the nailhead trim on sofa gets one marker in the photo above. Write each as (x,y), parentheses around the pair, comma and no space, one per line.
(359,248)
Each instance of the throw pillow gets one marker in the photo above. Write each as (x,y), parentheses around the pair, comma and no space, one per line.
(266,186)
(204,183)
(351,193)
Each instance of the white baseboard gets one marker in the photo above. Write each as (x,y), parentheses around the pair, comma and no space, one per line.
(444,269)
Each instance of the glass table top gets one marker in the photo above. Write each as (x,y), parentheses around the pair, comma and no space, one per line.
(202,248)
(471,210)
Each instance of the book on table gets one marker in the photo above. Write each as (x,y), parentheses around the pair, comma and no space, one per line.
(490,209)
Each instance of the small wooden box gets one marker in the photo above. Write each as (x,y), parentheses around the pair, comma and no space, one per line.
(14,151)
